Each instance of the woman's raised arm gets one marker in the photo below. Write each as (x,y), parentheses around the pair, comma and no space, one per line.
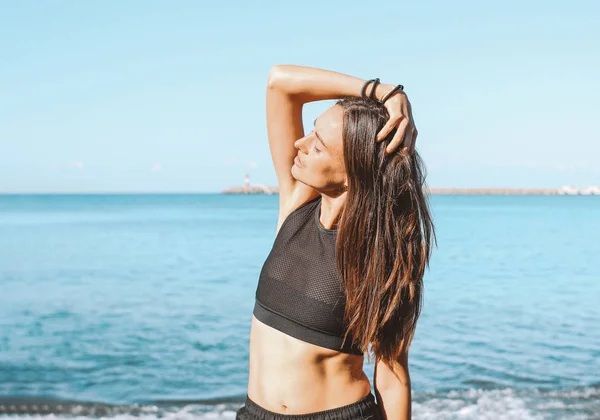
(289,88)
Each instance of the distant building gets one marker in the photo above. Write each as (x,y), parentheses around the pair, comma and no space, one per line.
(568,190)
(594,190)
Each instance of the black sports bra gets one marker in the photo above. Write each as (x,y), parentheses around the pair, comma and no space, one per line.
(299,291)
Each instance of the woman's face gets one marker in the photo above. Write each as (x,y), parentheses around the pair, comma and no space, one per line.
(320,156)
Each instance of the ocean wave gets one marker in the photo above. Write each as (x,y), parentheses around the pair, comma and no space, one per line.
(508,403)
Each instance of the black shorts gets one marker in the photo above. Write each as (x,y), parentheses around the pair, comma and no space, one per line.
(365,409)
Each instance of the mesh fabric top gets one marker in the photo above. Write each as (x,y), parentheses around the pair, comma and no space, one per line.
(299,291)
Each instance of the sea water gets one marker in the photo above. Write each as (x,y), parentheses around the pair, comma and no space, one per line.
(139,306)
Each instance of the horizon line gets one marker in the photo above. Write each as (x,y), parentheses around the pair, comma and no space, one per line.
(432,190)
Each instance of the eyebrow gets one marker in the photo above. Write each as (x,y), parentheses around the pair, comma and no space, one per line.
(319,137)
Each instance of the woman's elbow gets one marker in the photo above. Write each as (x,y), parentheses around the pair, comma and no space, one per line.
(276,78)
(392,376)
(393,385)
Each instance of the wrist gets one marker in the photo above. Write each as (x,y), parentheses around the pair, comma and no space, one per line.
(382,90)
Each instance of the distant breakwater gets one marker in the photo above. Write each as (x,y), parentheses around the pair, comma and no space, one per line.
(450,191)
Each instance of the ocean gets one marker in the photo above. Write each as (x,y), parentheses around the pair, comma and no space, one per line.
(139,306)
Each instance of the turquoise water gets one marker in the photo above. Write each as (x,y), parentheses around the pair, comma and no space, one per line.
(128,306)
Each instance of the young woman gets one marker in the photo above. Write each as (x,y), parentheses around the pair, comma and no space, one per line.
(346,268)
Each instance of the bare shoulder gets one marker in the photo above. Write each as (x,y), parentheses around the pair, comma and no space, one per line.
(298,195)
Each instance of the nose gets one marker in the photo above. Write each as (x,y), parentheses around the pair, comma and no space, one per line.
(300,144)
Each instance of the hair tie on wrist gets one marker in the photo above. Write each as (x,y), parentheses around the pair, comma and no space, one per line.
(363,91)
(391,93)
(372,95)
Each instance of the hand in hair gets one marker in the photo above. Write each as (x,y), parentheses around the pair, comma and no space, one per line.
(401,118)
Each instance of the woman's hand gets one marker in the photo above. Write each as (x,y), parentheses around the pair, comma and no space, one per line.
(401,118)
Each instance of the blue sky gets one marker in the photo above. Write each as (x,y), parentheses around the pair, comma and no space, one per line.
(147,96)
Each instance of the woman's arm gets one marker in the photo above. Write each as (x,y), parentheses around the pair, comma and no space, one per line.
(289,88)
(392,386)
(308,84)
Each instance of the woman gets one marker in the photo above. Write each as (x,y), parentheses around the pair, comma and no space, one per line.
(353,240)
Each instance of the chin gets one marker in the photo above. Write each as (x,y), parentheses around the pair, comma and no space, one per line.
(294,172)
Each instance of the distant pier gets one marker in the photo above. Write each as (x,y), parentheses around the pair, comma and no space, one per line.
(449,191)
(516,191)
(247,188)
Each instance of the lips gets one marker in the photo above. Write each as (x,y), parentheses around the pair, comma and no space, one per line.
(298,162)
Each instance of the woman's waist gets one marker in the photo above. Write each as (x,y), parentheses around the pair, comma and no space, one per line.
(304,389)
(304,366)
(287,372)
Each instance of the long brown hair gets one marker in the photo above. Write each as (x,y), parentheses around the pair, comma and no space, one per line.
(384,236)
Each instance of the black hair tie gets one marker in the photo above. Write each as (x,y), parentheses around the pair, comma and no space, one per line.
(372,95)
(392,92)
(363,91)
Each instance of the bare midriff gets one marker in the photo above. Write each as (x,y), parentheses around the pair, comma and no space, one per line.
(290,376)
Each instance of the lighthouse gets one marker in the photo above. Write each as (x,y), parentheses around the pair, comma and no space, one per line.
(246,183)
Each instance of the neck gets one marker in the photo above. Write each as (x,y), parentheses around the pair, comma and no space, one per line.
(331,210)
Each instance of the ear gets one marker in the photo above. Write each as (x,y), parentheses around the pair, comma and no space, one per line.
(342,187)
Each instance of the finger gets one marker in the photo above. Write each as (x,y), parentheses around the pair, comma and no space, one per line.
(398,137)
(387,128)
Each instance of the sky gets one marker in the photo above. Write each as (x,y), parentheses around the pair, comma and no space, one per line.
(169,96)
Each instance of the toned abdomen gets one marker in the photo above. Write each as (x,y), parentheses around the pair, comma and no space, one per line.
(290,376)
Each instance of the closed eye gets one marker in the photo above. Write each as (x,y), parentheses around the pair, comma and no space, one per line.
(315,143)
(320,139)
